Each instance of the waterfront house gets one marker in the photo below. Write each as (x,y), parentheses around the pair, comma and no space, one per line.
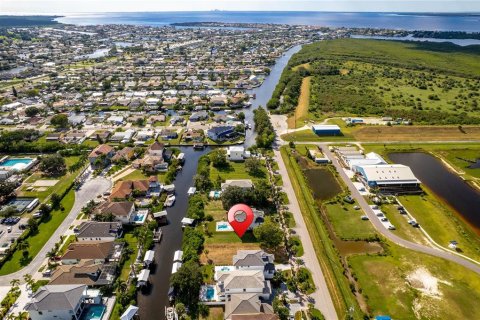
(61,302)
(123,211)
(221,133)
(98,251)
(237,153)
(99,231)
(255,260)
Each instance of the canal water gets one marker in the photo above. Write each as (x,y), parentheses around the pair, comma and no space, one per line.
(444,183)
(264,92)
(153,302)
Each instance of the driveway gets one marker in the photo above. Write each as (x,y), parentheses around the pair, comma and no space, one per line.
(89,191)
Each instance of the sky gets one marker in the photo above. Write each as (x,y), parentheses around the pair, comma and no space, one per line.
(89,6)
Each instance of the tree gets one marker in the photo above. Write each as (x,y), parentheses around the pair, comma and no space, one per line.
(6,188)
(269,234)
(241,116)
(187,282)
(31,111)
(32,225)
(14,92)
(60,121)
(55,199)
(253,166)
(15,283)
(218,158)
(53,165)
(203,310)
(8,211)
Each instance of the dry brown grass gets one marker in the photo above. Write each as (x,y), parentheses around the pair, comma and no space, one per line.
(417,133)
(221,253)
(301,112)
(216,313)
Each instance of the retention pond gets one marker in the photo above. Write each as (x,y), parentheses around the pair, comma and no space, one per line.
(457,193)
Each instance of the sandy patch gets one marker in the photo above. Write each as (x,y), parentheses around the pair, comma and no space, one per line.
(425,282)
(45,183)
(222,253)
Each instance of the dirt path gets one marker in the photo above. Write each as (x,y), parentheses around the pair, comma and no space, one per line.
(301,112)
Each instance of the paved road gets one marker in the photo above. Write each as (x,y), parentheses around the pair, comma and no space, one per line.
(90,190)
(323,301)
(387,233)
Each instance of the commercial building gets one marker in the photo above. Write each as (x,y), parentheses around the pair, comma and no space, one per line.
(388,178)
(326,130)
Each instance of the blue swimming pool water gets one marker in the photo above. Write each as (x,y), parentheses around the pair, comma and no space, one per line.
(93,312)
(13,161)
(139,218)
(210,293)
(222,227)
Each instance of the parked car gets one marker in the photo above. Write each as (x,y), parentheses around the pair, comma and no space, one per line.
(364,217)
(37,214)
(391,227)
(384,219)
(9,229)
(22,226)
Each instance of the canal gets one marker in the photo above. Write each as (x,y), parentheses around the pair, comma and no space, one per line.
(152,303)
(458,194)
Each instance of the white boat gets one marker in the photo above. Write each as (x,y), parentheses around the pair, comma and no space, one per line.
(170,314)
(170,201)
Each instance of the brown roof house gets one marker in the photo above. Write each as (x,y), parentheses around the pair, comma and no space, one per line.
(98,231)
(101,156)
(98,251)
(123,211)
(126,154)
(128,188)
(86,272)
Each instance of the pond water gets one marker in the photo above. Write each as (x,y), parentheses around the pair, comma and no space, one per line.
(463,198)
(323,183)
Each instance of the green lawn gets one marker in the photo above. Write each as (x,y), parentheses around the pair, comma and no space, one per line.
(59,187)
(347,223)
(132,243)
(442,224)
(403,229)
(227,237)
(45,230)
(139,175)
(215,209)
(383,280)
(236,170)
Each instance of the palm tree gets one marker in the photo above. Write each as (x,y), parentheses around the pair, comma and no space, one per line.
(51,254)
(29,280)
(15,283)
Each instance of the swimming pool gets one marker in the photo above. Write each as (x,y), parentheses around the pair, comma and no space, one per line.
(16,163)
(223,226)
(140,217)
(208,293)
(93,312)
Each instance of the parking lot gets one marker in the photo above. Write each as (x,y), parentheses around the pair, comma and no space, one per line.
(6,238)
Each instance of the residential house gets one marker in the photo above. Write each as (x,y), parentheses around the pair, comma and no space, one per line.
(99,231)
(248,306)
(240,281)
(156,149)
(199,116)
(126,154)
(101,156)
(86,272)
(237,153)
(128,188)
(242,183)
(255,260)
(60,302)
(123,211)
(98,251)
(221,133)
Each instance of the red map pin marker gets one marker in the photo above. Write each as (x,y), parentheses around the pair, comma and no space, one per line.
(240,217)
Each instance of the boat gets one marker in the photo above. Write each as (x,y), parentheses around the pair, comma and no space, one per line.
(170,313)
(198,146)
(169,201)
(157,235)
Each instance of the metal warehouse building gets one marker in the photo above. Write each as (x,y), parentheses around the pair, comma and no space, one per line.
(388,178)
(326,130)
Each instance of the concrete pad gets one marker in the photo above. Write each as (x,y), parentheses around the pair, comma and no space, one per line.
(45,183)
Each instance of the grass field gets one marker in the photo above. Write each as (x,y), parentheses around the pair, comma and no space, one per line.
(45,230)
(347,223)
(216,313)
(235,170)
(301,112)
(221,253)
(416,133)
(390,287)
(59,187)
(132,243)
(427,83)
